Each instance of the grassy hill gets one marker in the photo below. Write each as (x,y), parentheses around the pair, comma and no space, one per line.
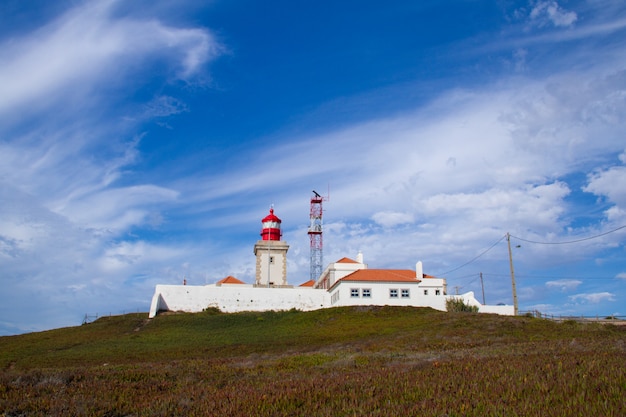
(370,361)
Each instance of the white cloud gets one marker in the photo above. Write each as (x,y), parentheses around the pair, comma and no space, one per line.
(609,183)
(392,219)
(621,275)
(545,12)
(511,146)
(519,59)
(117,208)
(163,106)
(564,284)
(539,204)
(593,298)
(543,308)
(127,255)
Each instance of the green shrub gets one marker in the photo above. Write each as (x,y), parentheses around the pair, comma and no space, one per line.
(457,304)
(212,311)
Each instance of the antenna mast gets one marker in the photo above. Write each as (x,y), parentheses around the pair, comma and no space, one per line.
(315,235)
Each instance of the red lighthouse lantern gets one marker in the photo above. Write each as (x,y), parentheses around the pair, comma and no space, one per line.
(271,227)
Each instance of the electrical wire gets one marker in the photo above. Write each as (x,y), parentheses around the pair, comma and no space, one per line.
(472,260)
(531,241)
(552,277)
(570,241)
(472,275)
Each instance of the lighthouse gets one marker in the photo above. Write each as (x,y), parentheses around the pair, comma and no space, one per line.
(271,254)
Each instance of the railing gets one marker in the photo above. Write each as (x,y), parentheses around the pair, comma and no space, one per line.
(597,318)
(90,318)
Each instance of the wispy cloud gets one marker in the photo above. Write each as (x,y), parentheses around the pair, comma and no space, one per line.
(544,24)
(550,12)
(69,142)
(88,44)
(593,298)
(391,219)
(74,168)
(564,284)
(164,106)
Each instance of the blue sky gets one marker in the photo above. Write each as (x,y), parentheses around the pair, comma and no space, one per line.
(144,143)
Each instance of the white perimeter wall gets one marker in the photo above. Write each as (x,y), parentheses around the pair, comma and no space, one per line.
(235,298)
(469,299)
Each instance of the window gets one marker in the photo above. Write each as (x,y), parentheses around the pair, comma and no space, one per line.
(425,292)
(367,293)
(437,292)
(393,293)
(405,293)
(354,292)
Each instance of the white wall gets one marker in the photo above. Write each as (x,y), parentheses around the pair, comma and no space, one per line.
(243,297)
(504,310)
(469,299)
(337,270)
(235,298)
(380,295)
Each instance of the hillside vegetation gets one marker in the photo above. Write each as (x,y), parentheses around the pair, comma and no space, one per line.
(365,361)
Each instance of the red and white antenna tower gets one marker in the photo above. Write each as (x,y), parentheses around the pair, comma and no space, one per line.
(315,234)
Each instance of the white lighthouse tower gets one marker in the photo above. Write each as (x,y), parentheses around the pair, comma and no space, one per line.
(271,254)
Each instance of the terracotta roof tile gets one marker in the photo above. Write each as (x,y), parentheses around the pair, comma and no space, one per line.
(230,280)
(382,275)
(346,261)
(309,283)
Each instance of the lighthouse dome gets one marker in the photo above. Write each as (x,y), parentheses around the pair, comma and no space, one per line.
(271,227)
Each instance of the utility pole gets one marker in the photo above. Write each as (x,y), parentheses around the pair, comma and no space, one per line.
(508,241)
(483,287)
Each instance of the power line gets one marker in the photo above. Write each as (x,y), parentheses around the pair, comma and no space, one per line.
(472,260)
(529,276)
(472,275)
(531,241)
(570,241)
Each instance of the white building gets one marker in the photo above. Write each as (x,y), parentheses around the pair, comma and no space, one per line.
(343,283)
(351,282)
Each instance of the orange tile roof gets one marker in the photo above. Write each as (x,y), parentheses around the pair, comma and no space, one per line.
(309,283)
(230,280)
(345,260)
(382,275)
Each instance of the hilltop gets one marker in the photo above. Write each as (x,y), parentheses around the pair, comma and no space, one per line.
(341,361)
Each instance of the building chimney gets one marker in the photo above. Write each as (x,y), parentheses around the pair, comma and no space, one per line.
(419,271)
(359,257)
